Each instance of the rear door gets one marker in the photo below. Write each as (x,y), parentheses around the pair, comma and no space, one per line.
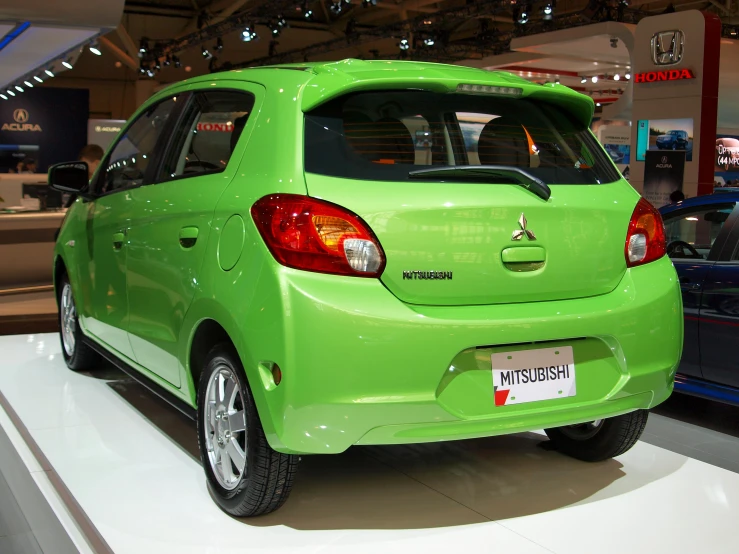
(695,239)
(719,313)
(474,239)
(171,221)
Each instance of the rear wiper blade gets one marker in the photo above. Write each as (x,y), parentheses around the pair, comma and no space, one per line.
(483,173)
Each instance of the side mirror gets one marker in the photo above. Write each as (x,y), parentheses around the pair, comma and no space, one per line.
(71,177)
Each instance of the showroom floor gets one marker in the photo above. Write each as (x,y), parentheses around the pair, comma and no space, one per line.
(119,469)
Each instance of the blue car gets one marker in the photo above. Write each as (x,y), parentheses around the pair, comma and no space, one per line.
(703,243)
(673,140)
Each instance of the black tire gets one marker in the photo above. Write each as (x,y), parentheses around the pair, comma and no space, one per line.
(268,475)
(611,438)
(81,357)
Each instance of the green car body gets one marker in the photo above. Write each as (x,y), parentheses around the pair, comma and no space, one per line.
(400,358)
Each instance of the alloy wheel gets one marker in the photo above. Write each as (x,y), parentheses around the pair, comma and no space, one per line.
(583,431)
(68,321)
(225,427)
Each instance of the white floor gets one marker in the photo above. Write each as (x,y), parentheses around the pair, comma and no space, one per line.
(145,492)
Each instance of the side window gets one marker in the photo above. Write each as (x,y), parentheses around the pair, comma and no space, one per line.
(130,157)
(208,134)
(691,234)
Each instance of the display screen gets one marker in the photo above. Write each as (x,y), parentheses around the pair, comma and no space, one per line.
(726,160)
(664,134)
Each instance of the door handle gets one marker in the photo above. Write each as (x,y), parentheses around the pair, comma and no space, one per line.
(118,240)
(686,284)
(188,236)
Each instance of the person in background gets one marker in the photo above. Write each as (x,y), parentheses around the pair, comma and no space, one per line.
(91,154)
(29,166)
(676,197)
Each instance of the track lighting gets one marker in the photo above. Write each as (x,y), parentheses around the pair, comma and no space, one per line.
(176,61)
(281,21)
(29,84)
(617,77)
(594,79)
(143,48)
(335,7)
(249,34)
(583,80)
(548,11)
(49,72)
(18,88)
(3,97)
(206,53)
(404,44)
(11,93)
(95,48)
(219,44)
(168,61)
(68,63)
(429,41)
(39,79)
(275,30)
(307,12)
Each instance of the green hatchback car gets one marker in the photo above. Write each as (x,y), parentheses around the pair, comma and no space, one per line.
(313,256)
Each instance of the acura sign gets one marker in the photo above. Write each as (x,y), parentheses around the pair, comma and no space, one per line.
(21,123)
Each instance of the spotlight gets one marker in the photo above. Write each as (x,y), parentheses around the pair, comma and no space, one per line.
(404,44)
(548,12)
(95,48)
(335,7)
(614,42)
(594,78)
(142,69)
(168,60)
(18,88)
(150,72)
(597,104)
(157,66)
(143,47)
(3,97)
(29,84)
(275,29)
(627,76)
(617,77)
(281,21)
(219,44)
(68,63)
(49,72)
(176,61)
(249,34)
(307,12)
(206,53)
(11,93)
(556,81)
(583,80)
(39,79)
(429,41)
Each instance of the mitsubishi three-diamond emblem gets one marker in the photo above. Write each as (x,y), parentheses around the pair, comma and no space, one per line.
(518,234)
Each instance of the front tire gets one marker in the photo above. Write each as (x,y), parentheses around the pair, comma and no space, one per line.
(245,476)
(600,440)
(78,355)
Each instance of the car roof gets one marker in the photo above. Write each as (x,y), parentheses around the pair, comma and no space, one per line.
(698,201)
(323,81)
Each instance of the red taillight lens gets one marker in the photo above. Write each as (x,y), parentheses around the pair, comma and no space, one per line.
(645,241)
(313,235)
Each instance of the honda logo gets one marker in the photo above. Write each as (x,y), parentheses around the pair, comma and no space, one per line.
(667,47)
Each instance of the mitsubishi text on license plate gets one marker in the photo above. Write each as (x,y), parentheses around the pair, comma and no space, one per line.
(531,375)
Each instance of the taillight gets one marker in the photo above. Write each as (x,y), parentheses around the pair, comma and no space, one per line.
(645,241)
(314,235)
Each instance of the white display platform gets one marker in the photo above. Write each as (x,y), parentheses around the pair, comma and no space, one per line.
(144,493)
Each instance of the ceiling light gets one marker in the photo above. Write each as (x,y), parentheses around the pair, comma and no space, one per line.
(404,44)
(335,7)
(548,11)
(29,84)
(219,44)
(556,81)
(368,3)
(307,12)
(168,61)
(523,19)
(95,49)
(206,53)
(143,48)
(249,34)
(429,41)
(68,63)
(18,88)
(176,61)
(594,78)
(11,93)
(39,79)
(597,104)
(275,29)
(583,80)
(281,21)
(3,97)
(627,76)
(617,77)
(150,72)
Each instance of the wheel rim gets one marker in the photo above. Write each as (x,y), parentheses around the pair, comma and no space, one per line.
(68,323)
(583,431)
(225,428)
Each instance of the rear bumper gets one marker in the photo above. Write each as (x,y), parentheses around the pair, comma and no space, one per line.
(361,367)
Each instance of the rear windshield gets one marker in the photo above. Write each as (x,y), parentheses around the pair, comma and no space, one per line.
(382,136)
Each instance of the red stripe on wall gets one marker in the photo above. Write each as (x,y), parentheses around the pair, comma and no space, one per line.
(709,102)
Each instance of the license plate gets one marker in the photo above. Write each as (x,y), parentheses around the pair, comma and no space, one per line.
(532,375)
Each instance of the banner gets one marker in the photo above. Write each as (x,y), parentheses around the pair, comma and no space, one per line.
(663,175)
(103,131)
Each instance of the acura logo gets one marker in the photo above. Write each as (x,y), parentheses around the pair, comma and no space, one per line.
(518,234)
(664,159)
(667,47)
(20,115)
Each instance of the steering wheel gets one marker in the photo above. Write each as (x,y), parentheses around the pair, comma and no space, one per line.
(198,165)
(677,248)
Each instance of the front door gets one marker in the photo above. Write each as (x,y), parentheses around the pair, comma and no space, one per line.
(719,316)
(695,238)
(171,224)
(109,218)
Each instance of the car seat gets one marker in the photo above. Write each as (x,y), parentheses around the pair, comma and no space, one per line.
(385,141)
(503,141)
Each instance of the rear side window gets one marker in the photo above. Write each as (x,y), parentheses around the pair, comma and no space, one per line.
(385,135)
(691,233)
(208,133)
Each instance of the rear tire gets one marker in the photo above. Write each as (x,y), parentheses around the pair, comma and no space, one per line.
(77,354)
(245,476)
(602,439)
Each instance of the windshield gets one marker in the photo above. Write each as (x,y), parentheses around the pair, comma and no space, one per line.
(384,136)
(675,133)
